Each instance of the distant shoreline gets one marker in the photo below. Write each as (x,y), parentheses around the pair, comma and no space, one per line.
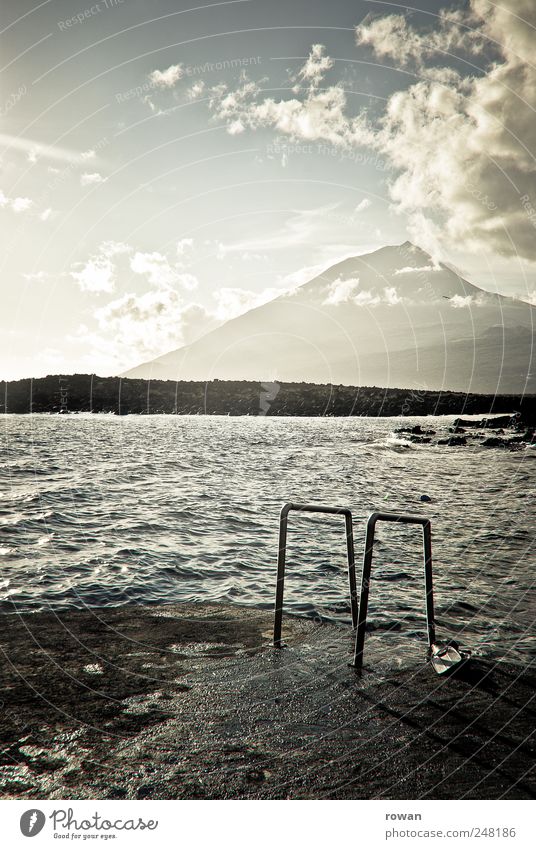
(77,393)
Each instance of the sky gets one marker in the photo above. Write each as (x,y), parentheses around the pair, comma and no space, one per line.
(166,166)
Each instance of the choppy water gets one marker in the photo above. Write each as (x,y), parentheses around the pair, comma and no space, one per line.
(101,510)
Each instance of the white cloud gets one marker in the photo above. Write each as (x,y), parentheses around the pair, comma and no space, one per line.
(112,248)
(463,142)
(462,301)
(46,214)
(342,291)
(36,276)
(316,66)
(459,301)
(302,227)
(133,327)
(91,179)
(294,279)
(38,150)
(196,90)
(393,38)
(391,296)
(465,146)
(232,302)
(528,297)
(145,326)
(167,78)
(184,246)
(21,204)
(96,275)
(160,272)
(347,291)
(362,205)
(319,115)
(411,269)
(17,205)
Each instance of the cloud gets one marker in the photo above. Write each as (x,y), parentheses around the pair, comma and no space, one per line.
(302,227)
(342,291)
(93,179)
(316,66)
(35,150)
(148,325)
(167,78)
(160,272)
(528,297)
(391,296)
(17,205)
(232,302)
(412,269)
(461,301)
(391,37)
(196,90)
(465,146)
(347,291)
(21,204)
(36,276)
(184,246)
(318,115)
(462,141)
(133,327)
(112,248)
(96,275)
(362,205)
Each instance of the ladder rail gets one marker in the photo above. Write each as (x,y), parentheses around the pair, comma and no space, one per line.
(407,519)
(282,552)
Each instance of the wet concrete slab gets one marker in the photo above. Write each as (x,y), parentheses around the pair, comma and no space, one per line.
(192,701)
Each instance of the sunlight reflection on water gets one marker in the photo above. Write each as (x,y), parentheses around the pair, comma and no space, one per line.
(105,510)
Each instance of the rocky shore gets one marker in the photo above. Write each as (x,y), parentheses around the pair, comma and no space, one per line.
(512,432)
(191,701)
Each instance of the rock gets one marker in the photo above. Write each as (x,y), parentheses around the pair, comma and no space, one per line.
(425,498)
(453,441)
(416,429)
(495,422)
(499,421)
(145,791)
(419,440)
(467,423)
(499,442)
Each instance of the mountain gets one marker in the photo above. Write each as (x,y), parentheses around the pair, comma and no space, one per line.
(391,318)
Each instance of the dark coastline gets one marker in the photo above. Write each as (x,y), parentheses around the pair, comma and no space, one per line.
(191,701)
(122,396)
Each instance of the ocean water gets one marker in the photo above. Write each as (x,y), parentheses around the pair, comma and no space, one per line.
(99,510)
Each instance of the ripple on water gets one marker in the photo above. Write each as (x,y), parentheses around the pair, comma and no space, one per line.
(95,511)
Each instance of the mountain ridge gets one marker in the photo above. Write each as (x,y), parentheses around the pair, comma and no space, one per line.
(370,318)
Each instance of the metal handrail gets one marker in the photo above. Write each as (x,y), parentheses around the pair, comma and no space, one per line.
(406,519)
(281,558)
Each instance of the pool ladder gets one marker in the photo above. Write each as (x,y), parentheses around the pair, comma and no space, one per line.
(359,611)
